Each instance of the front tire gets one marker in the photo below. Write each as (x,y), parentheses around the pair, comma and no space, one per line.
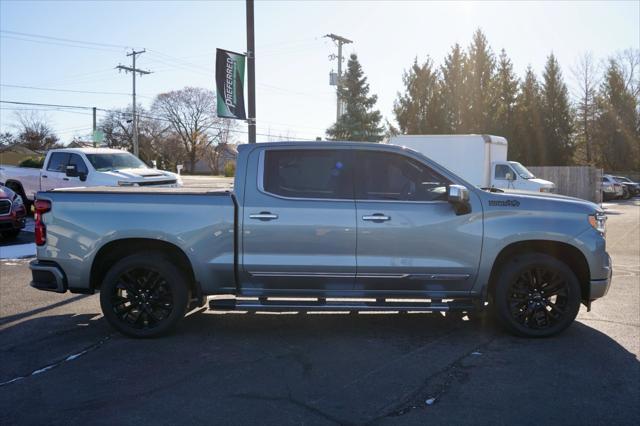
(144,295)
(536,295)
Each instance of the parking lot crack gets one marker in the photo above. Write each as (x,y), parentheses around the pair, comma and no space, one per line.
(434,386)
(293,401)
(59,362)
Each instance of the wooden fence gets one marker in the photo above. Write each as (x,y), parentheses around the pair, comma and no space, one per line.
(582,181)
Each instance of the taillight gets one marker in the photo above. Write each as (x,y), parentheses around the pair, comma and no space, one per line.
(41,207)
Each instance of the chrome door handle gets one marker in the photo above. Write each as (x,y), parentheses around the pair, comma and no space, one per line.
(378,217)
(263,216)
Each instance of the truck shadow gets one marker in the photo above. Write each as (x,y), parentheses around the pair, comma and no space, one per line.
(343,368)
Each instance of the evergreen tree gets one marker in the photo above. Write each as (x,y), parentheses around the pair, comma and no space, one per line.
(452,90)
(419,109)
(617,122)
(557,119)
(505,94)
(479,71)
(526,146)
(360,122)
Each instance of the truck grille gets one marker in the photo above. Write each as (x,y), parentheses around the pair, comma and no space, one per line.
(5,207)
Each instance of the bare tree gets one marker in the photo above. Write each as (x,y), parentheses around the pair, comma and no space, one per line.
(191,114)
(629,61)
(118,129)
(214,153)
(34,131)
(585,72)
(7,140)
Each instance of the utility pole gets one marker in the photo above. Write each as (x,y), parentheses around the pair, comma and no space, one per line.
(339,40)
(251,73)
(133,71)
(93,137)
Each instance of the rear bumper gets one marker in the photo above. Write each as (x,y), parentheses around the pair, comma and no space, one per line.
(47,276)
(599,288)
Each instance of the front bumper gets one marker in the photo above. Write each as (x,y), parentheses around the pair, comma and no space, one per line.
(599,288)
(47,276)
(12,222)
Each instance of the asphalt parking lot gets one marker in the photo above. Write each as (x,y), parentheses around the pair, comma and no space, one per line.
(61,364)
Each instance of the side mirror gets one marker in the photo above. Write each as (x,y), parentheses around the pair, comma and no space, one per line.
(510,176)
(458,195)
(72,170)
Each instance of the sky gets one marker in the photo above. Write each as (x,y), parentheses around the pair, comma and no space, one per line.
(57,51)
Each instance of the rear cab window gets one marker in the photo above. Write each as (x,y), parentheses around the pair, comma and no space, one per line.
(308,173)
(394,177)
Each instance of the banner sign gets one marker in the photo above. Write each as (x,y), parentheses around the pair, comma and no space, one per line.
(230,84)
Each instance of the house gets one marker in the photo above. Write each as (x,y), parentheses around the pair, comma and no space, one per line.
(215,159)
(15,154)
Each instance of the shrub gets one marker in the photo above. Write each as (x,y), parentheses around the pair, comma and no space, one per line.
(33,162)
(230,169)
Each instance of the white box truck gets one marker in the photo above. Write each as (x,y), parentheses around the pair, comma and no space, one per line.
(479,159)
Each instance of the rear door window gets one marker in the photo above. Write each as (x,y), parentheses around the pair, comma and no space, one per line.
(308,173)
(58,162)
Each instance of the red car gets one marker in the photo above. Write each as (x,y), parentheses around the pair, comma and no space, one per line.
(12,213)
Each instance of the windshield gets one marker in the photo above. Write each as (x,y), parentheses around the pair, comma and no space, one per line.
(521,170)
(106,162)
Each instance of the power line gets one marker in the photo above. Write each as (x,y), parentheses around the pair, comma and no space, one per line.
(58,43)
(51,89)
(67,40)
(140,115)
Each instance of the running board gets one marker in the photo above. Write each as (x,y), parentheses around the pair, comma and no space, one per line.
(279,304)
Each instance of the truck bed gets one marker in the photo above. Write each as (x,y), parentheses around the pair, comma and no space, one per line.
(198,221)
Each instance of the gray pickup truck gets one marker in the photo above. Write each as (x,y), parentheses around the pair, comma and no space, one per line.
(324,227)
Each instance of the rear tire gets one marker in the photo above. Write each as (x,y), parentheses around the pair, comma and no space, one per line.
(536,295)
(144,295)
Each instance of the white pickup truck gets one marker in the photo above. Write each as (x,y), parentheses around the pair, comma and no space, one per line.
(84,167)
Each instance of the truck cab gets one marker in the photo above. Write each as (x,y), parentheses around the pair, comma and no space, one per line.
(513,175)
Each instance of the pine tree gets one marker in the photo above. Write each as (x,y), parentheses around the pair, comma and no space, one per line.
(526,146)
(479,71)
(505,94)
(360,122)
(557,117)
(452,90)
(419,109)
(617,122)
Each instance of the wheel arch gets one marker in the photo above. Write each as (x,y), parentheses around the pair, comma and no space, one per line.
(115,250)
(16,187)
(566,253)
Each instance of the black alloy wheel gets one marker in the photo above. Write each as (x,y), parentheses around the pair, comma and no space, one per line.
(141,298)
(537,295)
(144,295)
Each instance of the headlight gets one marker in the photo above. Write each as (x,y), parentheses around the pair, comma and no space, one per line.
(599,222)
(126,183)
(18,201)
